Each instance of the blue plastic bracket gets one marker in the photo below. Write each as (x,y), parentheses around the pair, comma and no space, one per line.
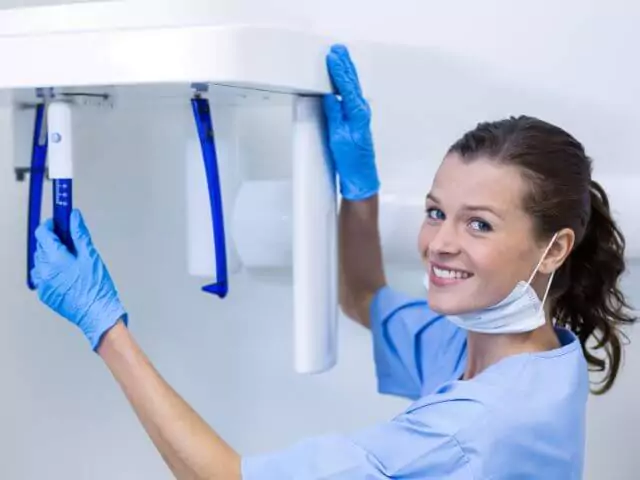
(204,125)
(36,181)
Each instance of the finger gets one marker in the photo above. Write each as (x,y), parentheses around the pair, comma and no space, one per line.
(79,231)
(356,107)
(42,260)
(38,264)
(350,67)
(39,256)
(36,279)
(333,111)
(347,89)
(47,239)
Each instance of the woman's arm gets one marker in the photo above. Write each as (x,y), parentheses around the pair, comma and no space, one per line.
(191,449)
(351,144)
(78,287)
(361,271)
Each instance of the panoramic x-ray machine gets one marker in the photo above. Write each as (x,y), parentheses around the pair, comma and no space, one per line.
(48,74)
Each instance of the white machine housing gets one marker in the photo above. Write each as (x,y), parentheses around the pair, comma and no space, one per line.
(243,64)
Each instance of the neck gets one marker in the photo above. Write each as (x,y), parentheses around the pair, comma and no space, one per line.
(486,349)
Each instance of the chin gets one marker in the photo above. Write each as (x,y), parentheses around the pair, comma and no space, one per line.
(448,304)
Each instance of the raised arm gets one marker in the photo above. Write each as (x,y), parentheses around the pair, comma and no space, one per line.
(351,144)
(79,288)
(190,448)
(361,272)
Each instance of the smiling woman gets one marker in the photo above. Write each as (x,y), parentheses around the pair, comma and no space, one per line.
(523,261)
(513,200)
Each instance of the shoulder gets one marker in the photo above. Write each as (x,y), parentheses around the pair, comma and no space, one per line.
(392,309)
(546,383)
(415,348)
(456,406)
(388,301)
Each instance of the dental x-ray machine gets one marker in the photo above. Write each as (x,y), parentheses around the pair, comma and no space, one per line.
(46,84)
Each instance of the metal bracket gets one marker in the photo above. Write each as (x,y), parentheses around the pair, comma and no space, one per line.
(88,99)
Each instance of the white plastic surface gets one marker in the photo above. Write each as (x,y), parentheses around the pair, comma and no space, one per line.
(262,224)
(315,287)
(281,224)
(22,126)
(265,58)
(60,138)
(400,218)
(167,60)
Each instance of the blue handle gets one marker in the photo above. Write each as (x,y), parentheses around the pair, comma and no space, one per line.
(36,181)
(204,124)
(62,206)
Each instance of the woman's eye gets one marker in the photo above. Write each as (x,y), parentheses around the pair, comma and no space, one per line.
(435,214)
(480,225)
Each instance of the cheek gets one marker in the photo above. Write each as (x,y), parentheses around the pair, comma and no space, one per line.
(487,260)
(498,270)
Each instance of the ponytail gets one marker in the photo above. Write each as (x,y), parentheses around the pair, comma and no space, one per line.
(592,304)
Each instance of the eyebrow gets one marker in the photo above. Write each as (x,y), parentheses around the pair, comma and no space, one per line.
(471,208)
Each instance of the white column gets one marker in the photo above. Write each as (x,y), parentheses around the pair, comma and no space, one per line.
(315,279)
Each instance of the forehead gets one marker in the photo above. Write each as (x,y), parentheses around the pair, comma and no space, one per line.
(480,181)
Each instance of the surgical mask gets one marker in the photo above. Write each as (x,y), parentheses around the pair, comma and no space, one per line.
(521,311)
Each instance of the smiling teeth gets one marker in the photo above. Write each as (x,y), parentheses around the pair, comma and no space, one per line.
(451,274)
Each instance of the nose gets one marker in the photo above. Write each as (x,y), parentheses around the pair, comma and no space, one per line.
(440,240)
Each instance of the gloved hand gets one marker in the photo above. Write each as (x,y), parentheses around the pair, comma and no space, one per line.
(348,121)
(77,287)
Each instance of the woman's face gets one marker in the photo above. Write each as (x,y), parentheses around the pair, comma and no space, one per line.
(477,241)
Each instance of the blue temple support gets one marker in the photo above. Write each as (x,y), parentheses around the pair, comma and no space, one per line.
(36,184)
(204,125)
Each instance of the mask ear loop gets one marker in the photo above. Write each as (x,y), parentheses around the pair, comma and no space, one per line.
(535,270)
(546,292)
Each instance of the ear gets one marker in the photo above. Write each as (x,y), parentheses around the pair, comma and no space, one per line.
(558,251)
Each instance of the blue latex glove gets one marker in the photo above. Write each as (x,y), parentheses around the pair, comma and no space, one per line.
(348,121)
(77,287)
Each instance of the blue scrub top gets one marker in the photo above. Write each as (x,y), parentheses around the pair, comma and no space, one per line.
(523,417)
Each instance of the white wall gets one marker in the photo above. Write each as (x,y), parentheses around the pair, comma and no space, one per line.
(6,4)
(63,417)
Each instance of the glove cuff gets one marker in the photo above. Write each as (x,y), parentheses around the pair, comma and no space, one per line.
(108,318)
(355,192)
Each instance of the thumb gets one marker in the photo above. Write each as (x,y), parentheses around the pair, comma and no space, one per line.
(47,239)
(79,231)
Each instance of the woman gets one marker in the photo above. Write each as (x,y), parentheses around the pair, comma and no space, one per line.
(522,260)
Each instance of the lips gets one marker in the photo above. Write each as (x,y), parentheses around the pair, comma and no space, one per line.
(442,275)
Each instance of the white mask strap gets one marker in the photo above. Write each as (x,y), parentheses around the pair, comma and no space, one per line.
(546,292)
(535,270)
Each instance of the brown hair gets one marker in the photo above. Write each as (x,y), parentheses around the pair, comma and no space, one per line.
(585,292)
